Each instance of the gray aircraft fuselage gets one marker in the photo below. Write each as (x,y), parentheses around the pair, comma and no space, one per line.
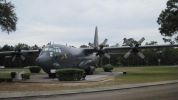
(55,56)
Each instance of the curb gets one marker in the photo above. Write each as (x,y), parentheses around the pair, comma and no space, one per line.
(8,95)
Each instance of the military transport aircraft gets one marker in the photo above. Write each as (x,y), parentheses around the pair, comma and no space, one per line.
(56,56)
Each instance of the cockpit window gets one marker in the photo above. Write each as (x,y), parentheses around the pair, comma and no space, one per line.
(52,49)
(57,49)
(45,49)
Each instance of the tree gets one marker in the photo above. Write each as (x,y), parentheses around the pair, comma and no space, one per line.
(7,48)
(22,46)
(168,19)
(83,46)
(8,18)
(151,43)
(35,47)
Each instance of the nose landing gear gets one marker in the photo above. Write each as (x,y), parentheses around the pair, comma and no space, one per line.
(90,70)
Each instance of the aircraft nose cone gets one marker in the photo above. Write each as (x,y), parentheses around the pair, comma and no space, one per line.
(44,60)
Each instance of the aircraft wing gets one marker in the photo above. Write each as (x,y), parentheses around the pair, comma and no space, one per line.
(124,49)
(88,51)
(17,53)
(117,50)
(21,51)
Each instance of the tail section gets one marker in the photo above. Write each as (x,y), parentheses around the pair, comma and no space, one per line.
(96,43)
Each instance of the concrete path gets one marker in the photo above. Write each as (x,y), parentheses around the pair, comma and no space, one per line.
(43,78)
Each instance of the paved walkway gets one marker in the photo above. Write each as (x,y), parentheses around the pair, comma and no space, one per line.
(43,78)
(77,91)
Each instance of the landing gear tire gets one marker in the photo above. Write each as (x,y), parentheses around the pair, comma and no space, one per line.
(52,75)
(90,70)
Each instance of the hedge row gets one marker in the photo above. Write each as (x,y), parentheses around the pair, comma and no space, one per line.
(25,76)
(70,74)
(108,68)
(35,69)
(8,76)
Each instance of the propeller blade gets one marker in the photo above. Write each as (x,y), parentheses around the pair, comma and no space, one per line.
(96,41)
(126,42)
(107,56)
(13,59)
(141,40)
(127,54)
(140,54)
(22,57)
(104,42)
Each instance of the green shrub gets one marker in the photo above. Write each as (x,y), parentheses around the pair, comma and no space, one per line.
(70,74)
(25,76)
(35,69)
(7,76)
(108,68)
(13,74)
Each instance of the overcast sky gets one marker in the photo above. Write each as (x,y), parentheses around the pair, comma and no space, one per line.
(73,21)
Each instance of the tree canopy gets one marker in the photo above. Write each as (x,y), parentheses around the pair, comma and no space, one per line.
(168,19)
(8,17)
(151,43)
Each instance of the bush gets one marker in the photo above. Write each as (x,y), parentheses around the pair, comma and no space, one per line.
(35,69)
(13,74)
(7,76)
(25,76)
(108,68)
(70,74)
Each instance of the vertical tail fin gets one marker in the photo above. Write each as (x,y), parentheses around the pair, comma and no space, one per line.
(96,44)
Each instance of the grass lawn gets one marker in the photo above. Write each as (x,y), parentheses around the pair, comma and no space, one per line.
(15,70)
(19,70)
(145,74)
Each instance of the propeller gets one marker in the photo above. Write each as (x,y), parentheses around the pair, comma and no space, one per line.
(134,49)
(18,53)
(98,48)
(104,42)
